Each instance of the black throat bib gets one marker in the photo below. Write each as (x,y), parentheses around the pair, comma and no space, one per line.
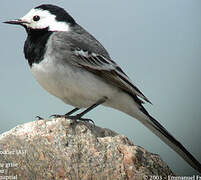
(35,45)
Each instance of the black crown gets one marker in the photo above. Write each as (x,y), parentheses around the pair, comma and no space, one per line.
(60,13)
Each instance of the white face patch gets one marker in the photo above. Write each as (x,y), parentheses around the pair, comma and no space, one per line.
(46,20)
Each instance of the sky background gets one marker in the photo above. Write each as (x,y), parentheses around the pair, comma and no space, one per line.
(157,43)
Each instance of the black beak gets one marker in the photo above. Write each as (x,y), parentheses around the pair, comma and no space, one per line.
(16,22)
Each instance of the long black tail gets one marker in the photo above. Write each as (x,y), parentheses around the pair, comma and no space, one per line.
(166,137)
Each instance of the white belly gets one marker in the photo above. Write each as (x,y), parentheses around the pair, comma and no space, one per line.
(72,85)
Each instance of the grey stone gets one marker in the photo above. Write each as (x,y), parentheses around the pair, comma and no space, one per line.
(64,149)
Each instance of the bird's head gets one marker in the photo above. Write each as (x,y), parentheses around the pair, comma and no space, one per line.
(45,16)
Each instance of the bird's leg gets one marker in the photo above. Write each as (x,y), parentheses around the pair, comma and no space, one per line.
(71,112)
(79,116)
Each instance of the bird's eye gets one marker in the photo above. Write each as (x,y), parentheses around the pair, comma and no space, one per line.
(36,18)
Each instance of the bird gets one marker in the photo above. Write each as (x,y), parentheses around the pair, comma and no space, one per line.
(72,65)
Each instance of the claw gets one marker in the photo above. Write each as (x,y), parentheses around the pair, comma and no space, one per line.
(87,120)
(77,117)
(56,116)
(39,118)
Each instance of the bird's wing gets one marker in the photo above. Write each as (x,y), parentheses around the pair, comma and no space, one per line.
(88,53)
(107,70)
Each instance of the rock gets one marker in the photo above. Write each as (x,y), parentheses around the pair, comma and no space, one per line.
(64,149)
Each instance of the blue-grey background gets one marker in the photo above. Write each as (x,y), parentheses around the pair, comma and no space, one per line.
(157,43)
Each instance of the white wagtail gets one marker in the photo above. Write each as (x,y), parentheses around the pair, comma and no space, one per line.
(72,65)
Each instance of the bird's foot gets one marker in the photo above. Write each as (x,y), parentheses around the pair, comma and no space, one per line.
(76,117)
(57,116)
